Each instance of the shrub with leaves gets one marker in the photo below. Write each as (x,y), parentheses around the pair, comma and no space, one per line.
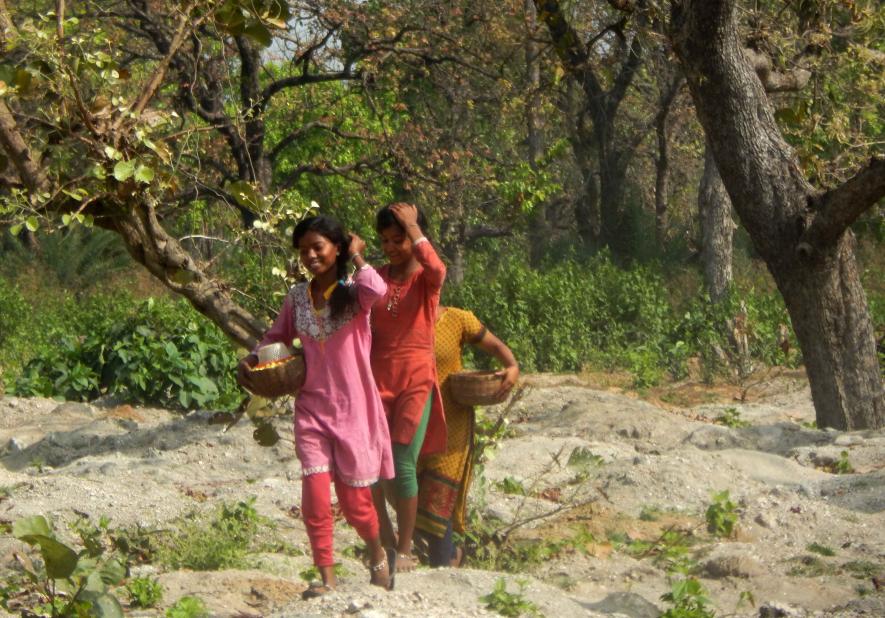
(157,351)
(509,603)
(188,607)
(689,600)
(721,515)
(219,542)
(144,592)
(69,582)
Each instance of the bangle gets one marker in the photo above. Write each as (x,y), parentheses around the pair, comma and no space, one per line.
(354,256)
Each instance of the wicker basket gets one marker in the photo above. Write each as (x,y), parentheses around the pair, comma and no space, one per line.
(475,388)
(279,378)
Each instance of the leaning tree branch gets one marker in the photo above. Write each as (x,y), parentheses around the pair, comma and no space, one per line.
(29,170)
(841,206)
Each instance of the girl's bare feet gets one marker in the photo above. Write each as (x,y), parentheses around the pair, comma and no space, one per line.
(405,562)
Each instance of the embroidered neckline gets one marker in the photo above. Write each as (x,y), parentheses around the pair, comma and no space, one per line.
(317,323)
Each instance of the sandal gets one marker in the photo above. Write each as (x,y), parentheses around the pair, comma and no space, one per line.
(391,562)
(314,590)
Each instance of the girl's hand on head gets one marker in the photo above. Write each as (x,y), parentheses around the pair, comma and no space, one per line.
(406,214)
(509,376)
(357,246)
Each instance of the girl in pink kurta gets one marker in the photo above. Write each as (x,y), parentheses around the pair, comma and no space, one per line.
(341,432)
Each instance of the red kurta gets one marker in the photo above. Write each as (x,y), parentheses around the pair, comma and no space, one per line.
(402,356)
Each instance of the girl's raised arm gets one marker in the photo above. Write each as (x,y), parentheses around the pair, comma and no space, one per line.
(434,269)
(368,286)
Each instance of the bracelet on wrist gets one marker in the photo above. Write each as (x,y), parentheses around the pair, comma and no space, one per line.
(354,257)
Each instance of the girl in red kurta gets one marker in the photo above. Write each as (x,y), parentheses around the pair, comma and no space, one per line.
(404,365)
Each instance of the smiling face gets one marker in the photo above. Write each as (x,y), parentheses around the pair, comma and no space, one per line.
(396,245)
(317,253)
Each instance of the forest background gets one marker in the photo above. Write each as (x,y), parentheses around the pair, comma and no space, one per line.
(661,189)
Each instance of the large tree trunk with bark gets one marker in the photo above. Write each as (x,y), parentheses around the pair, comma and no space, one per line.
(717,230)
(801,234)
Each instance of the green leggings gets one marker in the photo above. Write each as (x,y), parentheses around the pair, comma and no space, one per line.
(405,457)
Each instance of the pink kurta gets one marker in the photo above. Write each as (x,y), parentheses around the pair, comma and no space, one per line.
(340,425)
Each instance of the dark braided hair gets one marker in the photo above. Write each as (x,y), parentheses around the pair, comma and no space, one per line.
(328,227)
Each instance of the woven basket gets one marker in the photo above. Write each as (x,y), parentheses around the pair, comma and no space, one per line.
(475,388)
(279,378)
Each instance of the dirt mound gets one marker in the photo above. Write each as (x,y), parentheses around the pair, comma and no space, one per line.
(600,492)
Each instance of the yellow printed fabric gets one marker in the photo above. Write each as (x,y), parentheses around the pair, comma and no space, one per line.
(445,478)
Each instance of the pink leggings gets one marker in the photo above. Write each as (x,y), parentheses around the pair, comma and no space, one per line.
(316,509)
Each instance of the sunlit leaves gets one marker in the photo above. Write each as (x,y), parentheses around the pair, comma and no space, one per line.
(253,18)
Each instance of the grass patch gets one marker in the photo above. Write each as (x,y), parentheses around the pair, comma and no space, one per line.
(810,566)
(863,569)
(823,550)
(220,541)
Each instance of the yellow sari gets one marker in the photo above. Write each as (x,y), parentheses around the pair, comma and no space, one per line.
(445,478)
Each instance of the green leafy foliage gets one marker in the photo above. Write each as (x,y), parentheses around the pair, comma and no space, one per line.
(689,600)
(721,515)
(842,465)
(579,314)
(155,351)
(509,603)
(217,542)
(731,417)
(144,592)
(512,486)
(69,582)
(188,607)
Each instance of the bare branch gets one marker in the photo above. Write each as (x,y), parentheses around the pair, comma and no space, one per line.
(776,81)
(160,72)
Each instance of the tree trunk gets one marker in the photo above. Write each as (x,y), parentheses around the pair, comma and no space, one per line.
(452,241)
(717,230)
(828,308)
(150,245)
(539,233)
(662,172)
(802,235)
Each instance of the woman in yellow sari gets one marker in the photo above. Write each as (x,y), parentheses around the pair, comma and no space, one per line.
(445,478)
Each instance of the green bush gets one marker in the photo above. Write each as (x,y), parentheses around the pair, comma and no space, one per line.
(573,315)
(144,592)
(188,607)
(154,351)
(209,544)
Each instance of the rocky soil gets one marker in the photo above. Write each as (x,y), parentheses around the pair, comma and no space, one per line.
(603,471)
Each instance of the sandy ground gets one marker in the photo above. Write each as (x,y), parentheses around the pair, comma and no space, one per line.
(648,468)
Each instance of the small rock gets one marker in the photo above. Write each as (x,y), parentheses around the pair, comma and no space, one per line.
(13,446)
(847,440)
(732,561)
(355,605)
(763,520)
(627,604)
(780,610)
